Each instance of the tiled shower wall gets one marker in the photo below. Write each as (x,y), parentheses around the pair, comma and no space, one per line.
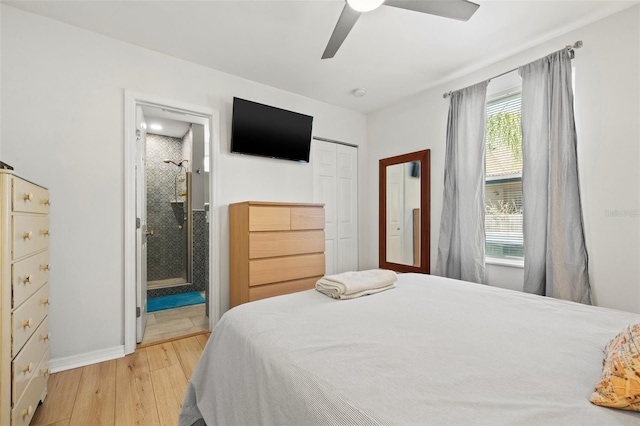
(166,249)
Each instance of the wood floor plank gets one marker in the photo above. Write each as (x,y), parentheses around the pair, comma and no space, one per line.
(95,402)
(147,387)
(62,389)
(64,422)
(135,399)
(188,351)
(203,338)
(161,356)
(169,386)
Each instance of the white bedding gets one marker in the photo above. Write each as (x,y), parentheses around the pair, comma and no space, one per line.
(430,351)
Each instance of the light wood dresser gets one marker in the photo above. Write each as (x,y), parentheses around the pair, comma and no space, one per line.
(24,298)
(274,249)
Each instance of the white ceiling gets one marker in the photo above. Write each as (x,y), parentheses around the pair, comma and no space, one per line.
(172,123)
(392,53)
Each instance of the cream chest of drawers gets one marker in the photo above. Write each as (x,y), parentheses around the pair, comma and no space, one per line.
(24,298)
(274,249)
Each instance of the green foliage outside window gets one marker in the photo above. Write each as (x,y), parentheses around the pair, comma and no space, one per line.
(503,129)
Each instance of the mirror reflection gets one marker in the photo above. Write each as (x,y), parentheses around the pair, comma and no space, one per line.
(403,213)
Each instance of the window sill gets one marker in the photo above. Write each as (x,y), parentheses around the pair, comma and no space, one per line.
(512,263)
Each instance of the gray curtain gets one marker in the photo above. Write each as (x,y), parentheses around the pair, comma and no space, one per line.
(555,255)
(461,243)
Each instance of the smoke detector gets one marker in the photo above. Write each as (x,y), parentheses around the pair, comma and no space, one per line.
(358,93)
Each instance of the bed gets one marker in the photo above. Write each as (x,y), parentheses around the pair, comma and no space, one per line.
(430,351)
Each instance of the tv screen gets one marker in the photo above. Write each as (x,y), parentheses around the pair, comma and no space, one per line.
(268,131)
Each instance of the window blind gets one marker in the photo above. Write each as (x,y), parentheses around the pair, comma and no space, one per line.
(503,190)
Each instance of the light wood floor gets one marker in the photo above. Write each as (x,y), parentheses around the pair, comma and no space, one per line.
(171,323)
(144,388)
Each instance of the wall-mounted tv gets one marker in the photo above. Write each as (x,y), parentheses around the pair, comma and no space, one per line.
(267,131)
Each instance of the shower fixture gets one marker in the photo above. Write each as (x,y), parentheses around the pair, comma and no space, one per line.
(174,163)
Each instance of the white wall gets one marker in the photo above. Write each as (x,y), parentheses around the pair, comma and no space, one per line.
(0,82)
(62,116)
(607,110)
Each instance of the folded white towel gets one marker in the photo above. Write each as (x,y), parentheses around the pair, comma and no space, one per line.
(349,285)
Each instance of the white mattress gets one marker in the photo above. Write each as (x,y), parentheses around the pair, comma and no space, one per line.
(430,351)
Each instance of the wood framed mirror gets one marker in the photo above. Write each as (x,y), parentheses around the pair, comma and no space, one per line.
(404,212)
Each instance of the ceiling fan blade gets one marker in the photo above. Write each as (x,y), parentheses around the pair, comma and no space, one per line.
(461,10)
(347,20)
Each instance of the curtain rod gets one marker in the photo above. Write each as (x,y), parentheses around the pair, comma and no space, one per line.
(569,47)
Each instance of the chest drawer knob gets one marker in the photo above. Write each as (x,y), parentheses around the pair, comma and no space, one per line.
(46,232)
(28,196)
(46,202)
(27,368)
(27,412)
(45,372)
(27,235)
(45,302)
(46,336)
(26,280)
(46,267)
(27,323)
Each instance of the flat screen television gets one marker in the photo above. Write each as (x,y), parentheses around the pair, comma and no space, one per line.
(267,131)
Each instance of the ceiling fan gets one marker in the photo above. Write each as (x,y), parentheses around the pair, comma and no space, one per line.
(461,10)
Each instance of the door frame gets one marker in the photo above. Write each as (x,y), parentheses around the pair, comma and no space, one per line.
(131,100)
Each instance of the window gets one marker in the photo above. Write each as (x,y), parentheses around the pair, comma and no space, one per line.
(503,179)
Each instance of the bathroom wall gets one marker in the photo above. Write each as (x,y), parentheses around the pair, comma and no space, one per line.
(200,275)
(166,253)
(166,249)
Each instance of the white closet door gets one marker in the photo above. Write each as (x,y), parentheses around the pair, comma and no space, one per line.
(335,172)
(324,191)
(347,208)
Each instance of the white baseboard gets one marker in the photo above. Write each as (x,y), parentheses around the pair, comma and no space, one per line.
(74,361)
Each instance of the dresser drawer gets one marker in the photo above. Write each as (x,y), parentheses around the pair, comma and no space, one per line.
(27,317)
(307,218)
(264,271)
(36,390)
(277,289)
(28,275)
(272,244)
(29,198)
(25,366)
(269,218)
(30,234)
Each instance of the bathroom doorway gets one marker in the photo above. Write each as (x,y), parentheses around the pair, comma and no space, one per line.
(192,190)
(177,208)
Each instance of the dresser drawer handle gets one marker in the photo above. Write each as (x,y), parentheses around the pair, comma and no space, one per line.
(46,202)
(46,336)
(27,323)
(45,267)
(45,301)
(27,412)
(45,372)
(27,235)
(27,368)
(26,280)
(46,232)
(28,196)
